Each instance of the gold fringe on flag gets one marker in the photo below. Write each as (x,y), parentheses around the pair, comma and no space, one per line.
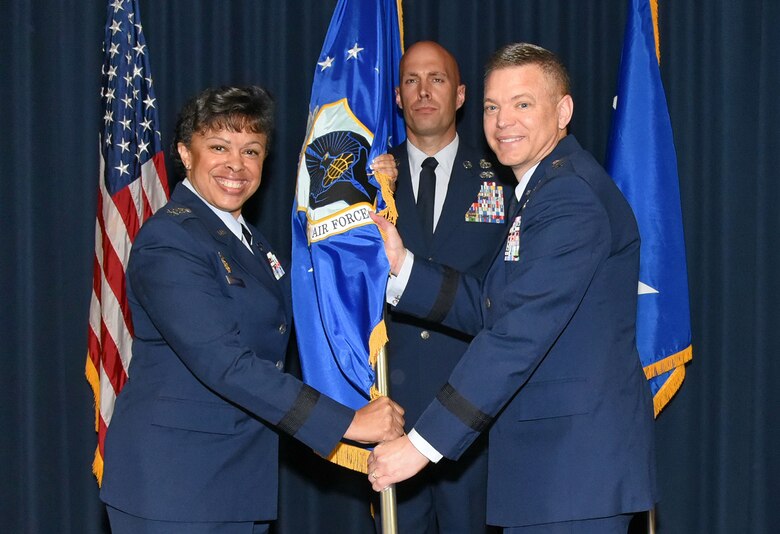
(350,456)
(667,391)
(670,362)
(94,381)
(675,362)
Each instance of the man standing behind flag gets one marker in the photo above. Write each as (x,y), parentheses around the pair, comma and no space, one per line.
(457,218)
(553,370)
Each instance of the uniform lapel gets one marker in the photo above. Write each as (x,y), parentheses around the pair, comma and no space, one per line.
(262,248)
(462,192)
(256,265)
(566,146)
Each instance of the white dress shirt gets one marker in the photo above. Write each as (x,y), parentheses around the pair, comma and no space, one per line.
(446,159)
(233,224)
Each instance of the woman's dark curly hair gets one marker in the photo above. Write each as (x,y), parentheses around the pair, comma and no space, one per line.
(236,109)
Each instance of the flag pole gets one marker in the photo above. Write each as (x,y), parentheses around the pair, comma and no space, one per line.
(387,503)
(651,521)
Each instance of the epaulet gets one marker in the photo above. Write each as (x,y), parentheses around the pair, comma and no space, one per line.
(560,166)
(176,212)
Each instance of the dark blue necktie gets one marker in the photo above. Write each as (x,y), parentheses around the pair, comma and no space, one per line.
(247,235)
(512,204)
(426,193)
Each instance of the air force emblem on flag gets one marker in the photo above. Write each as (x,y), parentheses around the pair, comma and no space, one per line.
(333,181)
(337,164)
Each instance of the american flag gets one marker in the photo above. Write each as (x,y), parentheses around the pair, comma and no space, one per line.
(132,186)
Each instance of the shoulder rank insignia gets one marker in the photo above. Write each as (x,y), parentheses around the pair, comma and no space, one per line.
(489,206)
(467,164)
(178,211)
(512,250)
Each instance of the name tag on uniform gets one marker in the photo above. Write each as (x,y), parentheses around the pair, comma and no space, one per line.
(489,206)
(512,251)
(234,280)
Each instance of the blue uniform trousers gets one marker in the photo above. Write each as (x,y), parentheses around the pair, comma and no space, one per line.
(617,524)
(123,523)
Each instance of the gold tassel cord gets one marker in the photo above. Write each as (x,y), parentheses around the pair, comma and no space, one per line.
(376,341)
(390,212)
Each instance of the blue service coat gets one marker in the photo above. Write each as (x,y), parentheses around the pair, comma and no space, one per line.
(449,497)
(193,434)
(553,370)
(422,354)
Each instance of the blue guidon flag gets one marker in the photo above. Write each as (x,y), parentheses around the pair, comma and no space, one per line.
(642,161)
(339,269)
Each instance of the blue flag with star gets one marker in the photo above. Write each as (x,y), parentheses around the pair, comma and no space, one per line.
(642,160)
(339,269)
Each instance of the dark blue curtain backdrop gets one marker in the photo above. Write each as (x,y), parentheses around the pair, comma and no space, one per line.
(718,438)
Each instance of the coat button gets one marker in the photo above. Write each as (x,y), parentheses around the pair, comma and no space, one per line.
(488,303)
(280,365)
(282,328)
(425,334)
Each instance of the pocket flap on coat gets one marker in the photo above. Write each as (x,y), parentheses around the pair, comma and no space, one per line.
(197,416)
(552,398)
